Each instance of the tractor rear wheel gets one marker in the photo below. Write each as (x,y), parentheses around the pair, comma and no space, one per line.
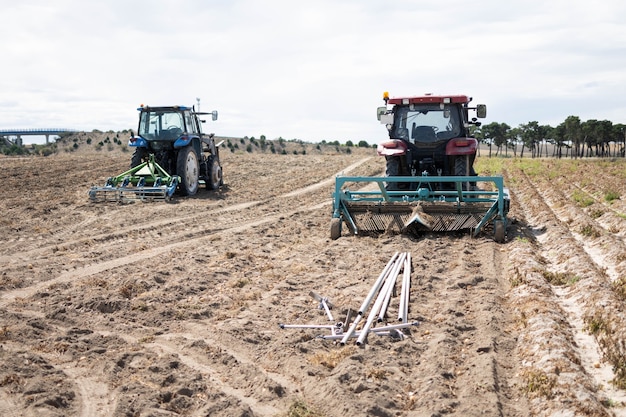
(188,168)
(392,170)
(139,156)
(460,169)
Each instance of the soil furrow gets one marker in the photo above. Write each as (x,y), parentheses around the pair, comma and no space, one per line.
(560,256)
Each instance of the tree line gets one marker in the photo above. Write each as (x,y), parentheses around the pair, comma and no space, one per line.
(572,138)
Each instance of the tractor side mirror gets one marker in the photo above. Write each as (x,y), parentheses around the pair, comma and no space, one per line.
(214,115)
(380,112)
(387,119)
(481,111)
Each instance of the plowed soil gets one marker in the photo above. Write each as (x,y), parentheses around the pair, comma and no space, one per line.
(173,308)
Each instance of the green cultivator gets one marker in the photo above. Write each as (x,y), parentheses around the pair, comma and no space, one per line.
(146,182)
(439,204)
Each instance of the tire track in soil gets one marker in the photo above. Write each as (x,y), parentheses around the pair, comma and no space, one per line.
(99,399)
(463,331)
(560,252)
(187,228)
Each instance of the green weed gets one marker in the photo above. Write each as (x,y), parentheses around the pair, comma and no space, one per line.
(582,199)
(611,195)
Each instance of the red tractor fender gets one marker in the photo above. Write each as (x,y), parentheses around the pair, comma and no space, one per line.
(392,147)
(461,146)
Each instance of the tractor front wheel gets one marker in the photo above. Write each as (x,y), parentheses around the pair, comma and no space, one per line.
(214,173)
(188,168)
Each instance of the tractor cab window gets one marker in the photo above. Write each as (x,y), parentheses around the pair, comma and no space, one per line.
(191,125)
(426,123)
(155,125)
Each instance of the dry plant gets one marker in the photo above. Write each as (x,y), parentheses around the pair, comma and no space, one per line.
(589,230)
(538,383)
(611,338)
(299,408)
(560,278)
(332,358)
(5,333)
(619,287)
(377,373)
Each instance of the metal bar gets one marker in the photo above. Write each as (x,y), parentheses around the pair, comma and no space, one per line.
(378,284)
(406,286)
(368,298)
(375,330)
(310,326)
(325,305)
(387,299)
(381,298)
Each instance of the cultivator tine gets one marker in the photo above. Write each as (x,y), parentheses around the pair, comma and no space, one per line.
(415,217)
(128,194)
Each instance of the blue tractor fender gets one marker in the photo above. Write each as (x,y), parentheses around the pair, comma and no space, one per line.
(183,141)
(137,142)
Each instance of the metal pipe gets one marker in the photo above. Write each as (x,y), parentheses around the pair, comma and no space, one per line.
(377,284)
(376,330)
(407,277)
(368,298)
(395,271)
(311,326)
(324,303)
(404,295)
(391,277)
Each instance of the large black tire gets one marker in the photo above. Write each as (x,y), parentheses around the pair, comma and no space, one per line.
(139,156)
(214,174)
(392,170)
(460,169)
(188,169)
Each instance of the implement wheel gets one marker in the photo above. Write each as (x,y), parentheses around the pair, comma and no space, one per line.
(335,228)
(188,168)
(498,231)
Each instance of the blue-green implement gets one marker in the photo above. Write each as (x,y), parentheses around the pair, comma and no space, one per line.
(428,203)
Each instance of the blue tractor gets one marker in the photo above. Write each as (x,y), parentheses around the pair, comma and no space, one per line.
(172,154)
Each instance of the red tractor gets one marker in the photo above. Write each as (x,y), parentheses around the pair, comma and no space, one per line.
(429,136)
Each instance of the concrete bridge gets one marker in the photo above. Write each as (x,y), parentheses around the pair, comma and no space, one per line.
(6,134)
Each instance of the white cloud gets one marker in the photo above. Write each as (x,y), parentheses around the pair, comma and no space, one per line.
(308,70)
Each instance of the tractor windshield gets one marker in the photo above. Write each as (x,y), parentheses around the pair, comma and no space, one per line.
(426,123)
(161,125)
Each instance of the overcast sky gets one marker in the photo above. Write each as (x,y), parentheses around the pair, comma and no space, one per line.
(311,70)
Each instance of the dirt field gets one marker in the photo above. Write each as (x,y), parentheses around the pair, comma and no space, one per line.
(167,309)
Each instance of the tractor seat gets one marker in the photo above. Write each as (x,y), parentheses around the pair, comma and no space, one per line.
(425,134)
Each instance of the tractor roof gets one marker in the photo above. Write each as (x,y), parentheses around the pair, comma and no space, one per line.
(164,108)
(429,98)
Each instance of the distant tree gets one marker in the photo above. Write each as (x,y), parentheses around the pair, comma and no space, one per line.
(363,144)
(349,143)
(573,132)
(497,134)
